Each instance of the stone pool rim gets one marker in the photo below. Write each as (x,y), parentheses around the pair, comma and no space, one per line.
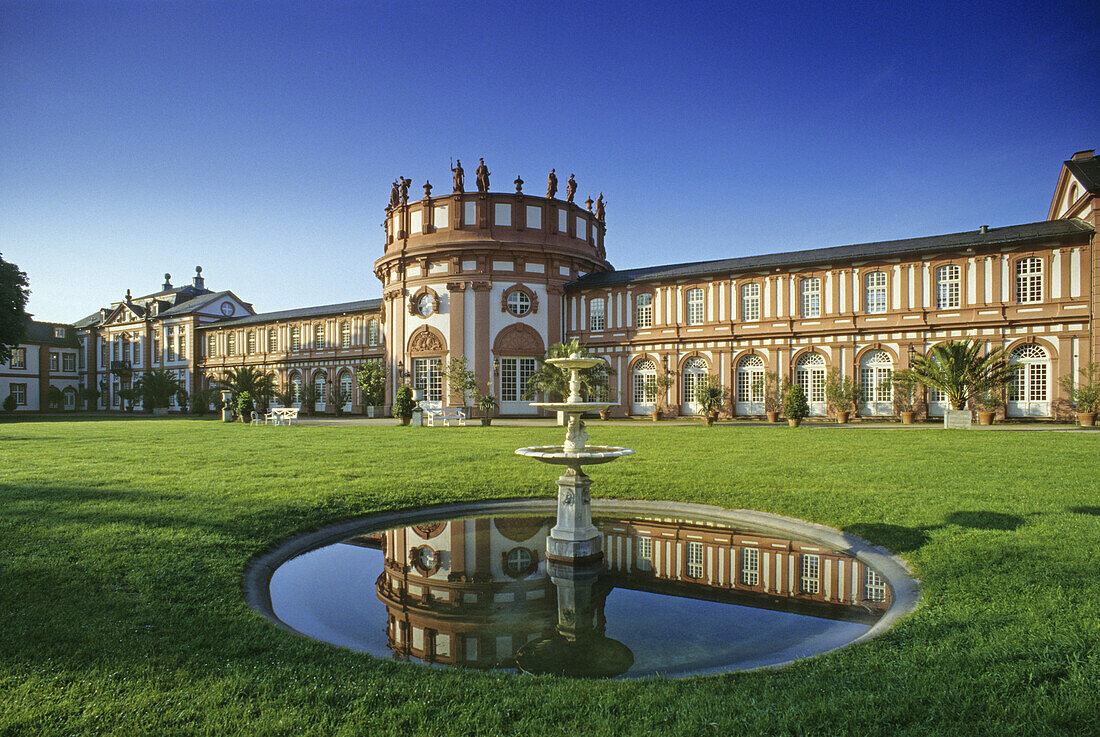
(258,572)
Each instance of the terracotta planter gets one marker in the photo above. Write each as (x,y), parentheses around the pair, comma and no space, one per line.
(772,416)
(907,417)
(406,420)
(605,414)
(985,418)
(794,421)
(842,418)
(711,418)
(486,420)
(655,415)
(1086,419)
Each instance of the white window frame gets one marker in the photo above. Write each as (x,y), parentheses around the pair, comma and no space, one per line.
(515,372)
(643,311)
(947,286)
(875,293)
(750,302)
(597,314)
(810,573)
(696,560)
(428,377)
(372,332)
(750,566)
(874,585)
(519,303)
(811,296)
(272,340)
(1029,280)
(345,334)
(696,306)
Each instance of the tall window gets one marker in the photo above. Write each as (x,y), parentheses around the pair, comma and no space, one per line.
(18,358)
(750,566)
(874,585)
(319,381)
(811,574)
(1029,384)
(645,552)
(345,334)
(750,302)
(211,344)
(695,375)
(643,310)
(1029,280)
(319,335)
(296,338)
(170,343)
(296,389)
(68,362)
(810,375)
(875,374)
(250,342)
(55,361)
(18,392)
(231,343)
(645,382)
(597,318)
(750,379)
(428,378)
(347,388)
(181,343)
(811,297)
(514,375)
(272,340)
(876,292)
(695,565)
(696,306)
(372,332)
(947,287)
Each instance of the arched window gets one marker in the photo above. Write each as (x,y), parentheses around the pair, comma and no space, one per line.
(810,375)
(875,382)
(347,389)
(694,376)
(643,310)
(319,382)
(876,292)
(947,287)
(1029,280)
(345,334)
(597,318)
(644,386)
(296,389)
(811,297)
(750,382)
(372,332)
(750,302)
(1029,392)
(696,306)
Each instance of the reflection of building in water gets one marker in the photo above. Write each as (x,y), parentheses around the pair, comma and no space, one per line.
(472,592)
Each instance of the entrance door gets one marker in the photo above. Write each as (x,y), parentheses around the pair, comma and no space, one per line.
(319,398)
(810,375)
(644,388)
(695,376)
(750,386)
(876,370)
(69,397)
(1029,392)
(347,389)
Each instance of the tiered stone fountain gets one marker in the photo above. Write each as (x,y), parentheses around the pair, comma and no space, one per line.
(574,549)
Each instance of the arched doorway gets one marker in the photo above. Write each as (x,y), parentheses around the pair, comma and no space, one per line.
(295,389)
(694,376)
(427,349)
(517,350)
(876,370)
(68,396)
(320,384)
(1029,392)
(809,374)
(347,389)
(750,386)
(644,387)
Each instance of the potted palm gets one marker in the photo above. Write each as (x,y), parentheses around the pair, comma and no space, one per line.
(906,387)
(710,396)
(795,406)
(961,371)
(773,397)
(1084,394)
(989,402)
(155,387)
(403,404)
(835,395)
(486,405)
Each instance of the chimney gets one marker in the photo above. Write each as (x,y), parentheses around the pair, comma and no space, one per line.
(198,280)
(984,229)
(167,282)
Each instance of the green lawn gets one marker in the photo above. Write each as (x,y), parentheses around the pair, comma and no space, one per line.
(122,546)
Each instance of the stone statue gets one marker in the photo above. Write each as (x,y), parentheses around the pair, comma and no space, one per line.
(427,189)
(482,177)
(457,171)
(551,185)
(395,195)
(570,188)
(405,189)
(519,185)
(599,207)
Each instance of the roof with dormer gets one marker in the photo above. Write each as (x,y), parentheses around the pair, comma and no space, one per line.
(340,308)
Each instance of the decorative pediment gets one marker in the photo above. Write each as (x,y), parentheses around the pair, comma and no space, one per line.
(427,340)
(518,340)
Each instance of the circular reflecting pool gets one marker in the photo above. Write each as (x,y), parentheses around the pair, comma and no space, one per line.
(681,590)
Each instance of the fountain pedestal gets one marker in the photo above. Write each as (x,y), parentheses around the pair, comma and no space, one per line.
(574,538)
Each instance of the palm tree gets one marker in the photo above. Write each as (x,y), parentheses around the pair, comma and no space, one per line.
(554,382)
(959,370)
(260,385)
(156,386)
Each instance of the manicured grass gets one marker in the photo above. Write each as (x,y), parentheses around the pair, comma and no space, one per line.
(123,546)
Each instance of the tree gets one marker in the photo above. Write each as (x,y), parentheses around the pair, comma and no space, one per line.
(1084,393)
(259,385)
(339,396)
(959,369)
(53,397)
(371,378)
(795,406)
(156,387)
(403,404)
(461,379)
(13,301)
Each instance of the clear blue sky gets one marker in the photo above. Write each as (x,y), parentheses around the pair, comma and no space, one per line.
(260,139)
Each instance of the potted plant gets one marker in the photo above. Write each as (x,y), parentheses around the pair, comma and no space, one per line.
(245,406)
(835,395)
(155,387)
(960,370)
(1084,394)
(339,396)
(308,405)
(182,399)
(486,405)
(795,406)
(773,399)
(607,395)
(906,387)
(461,380)
(710,397)
(989,402)
(649,392)
(662,383)
(403,404)
(90,396)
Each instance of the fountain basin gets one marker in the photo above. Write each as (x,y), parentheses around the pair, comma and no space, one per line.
(591,455)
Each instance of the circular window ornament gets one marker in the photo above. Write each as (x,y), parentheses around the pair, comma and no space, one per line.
(228,309)
(519,304)
(425,306)
(519,301)
(424,559)
(520,562)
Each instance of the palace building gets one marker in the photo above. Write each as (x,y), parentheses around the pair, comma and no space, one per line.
(497,277)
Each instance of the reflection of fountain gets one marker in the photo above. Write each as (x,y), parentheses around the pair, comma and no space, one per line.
(573,549)
(574,538)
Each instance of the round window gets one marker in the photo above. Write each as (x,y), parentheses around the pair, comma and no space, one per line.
(519,304)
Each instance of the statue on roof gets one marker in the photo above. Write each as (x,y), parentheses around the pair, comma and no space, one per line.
(405,189)
(456,170)
(427,189)
(519,185)
(551,185)
(395,194)
(599,207)
(570,189)
(482,177)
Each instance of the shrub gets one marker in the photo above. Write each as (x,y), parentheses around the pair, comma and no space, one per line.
(906,386)
(794,404)
(773,400)
(487,403)
(9,404)
(1085,394)
(371,378)
(245,405)
(403,404)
